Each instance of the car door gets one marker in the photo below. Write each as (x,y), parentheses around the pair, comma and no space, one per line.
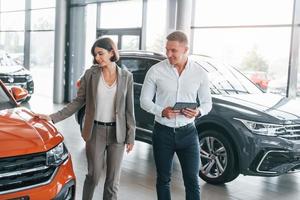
(139,66)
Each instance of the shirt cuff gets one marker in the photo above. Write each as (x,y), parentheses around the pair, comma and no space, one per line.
(158,111)
(200,112)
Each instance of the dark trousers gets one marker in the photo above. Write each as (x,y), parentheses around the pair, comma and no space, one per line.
(185,143)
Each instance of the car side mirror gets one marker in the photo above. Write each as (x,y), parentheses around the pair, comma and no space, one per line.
(19,93)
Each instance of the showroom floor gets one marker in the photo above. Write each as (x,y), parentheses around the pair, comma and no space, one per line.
(138,172)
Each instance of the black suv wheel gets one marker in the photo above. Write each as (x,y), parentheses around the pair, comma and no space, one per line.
(217,158)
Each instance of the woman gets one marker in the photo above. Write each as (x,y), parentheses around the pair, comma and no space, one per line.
(109,125)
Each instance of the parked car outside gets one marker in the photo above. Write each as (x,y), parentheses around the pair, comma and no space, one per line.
(34,161)
(279,86)
(259,78)
(247,131)
(12,73)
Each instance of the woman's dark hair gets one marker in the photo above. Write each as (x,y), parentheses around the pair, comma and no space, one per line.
(109,45)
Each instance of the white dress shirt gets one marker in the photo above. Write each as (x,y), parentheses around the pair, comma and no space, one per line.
(163,81)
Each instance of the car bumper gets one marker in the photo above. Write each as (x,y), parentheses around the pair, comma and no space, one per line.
(261,155)
(62,183)
(271,156)
(276,161)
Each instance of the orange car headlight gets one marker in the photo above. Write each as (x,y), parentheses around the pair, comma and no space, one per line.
(57,155)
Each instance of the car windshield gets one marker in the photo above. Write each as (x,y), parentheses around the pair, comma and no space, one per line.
(6,60)
(5,101)
(225,79)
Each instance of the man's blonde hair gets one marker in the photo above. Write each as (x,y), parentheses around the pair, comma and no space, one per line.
(178,36)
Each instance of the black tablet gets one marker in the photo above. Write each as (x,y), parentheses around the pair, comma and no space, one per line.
(183,105)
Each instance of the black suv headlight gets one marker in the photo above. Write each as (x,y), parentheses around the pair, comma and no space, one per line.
(260,128)
(57,155)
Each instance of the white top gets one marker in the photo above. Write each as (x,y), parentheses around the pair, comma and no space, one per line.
(164,81)
(106,101)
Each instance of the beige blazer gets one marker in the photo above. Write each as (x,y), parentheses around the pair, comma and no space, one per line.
(86,95)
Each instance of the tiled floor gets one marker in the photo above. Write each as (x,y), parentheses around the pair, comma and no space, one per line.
(138,172)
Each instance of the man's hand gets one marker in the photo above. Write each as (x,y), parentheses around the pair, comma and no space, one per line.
(190,113)
(169,113)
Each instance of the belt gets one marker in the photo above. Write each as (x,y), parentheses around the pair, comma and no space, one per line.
(181,128)
(105,123)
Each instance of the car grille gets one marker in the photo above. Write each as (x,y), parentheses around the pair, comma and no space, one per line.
(16,79)
(22,172)
(290,132)
(20,81)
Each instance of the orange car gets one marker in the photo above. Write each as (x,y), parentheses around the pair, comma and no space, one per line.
(34,161)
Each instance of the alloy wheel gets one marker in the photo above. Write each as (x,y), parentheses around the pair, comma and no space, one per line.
(213,157)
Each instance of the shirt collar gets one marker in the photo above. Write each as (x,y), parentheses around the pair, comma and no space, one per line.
(186,66)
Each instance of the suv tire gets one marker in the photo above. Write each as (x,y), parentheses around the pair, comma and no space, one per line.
(218,163)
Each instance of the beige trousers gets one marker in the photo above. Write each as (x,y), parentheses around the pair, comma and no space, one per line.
(101,146)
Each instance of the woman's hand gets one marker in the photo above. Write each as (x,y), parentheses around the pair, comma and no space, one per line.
(129,147)
(43,116)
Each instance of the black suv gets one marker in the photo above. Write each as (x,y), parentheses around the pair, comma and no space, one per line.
(12,73)
(247,131)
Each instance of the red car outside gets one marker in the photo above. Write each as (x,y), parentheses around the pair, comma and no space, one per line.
(259,78)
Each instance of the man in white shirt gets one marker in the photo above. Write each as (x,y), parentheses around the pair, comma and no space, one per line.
(176,79)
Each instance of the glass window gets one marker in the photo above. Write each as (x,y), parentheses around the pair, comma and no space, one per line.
(130,42)
(12,21)
(138,67)
(126,14)
(225,79)
(237,12)
(6,59)
(41,48)
(262,50)
(42,3)
(43,19)
(156,32)
(13,43)
(298,76)
(41,62)
(298,84)
(90,32)
(11,5)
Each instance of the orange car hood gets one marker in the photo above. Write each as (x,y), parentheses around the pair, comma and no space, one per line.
(21,133)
